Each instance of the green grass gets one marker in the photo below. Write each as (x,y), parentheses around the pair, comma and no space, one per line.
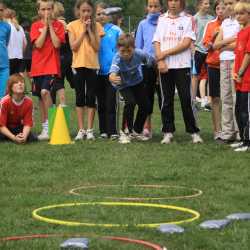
(38,175)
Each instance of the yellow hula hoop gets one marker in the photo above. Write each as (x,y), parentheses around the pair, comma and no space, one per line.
(35,214)
(197,193)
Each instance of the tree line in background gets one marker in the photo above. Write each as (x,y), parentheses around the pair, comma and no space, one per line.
(133,10)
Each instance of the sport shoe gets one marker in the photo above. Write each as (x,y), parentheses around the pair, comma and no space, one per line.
(242,148)
(80,135)
(114,137)
(196,138)
(139,137)
(90,134)
(44,135)
(236,144)
(124,139)
(103,136)
(147,133)
(167,138)
(207,107)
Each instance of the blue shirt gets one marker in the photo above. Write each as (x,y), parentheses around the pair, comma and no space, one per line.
(4,40)
(145,33)
(130,71)
(108,47)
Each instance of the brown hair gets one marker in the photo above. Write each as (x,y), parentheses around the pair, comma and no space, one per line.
(126,40)
(12,80)
(183,4)
(79,3)
(216,3)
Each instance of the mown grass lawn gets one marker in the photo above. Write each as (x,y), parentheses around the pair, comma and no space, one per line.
(37,175)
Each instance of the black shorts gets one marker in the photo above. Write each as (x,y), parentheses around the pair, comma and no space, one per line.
(214,82)
(26,65)
(199,60)
(42,82)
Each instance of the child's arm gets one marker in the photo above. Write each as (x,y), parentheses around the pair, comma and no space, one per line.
(162,66)
(39,42)
(245,64)
(6,132)
(220,42)
(94,40)
(115,79)
(114,76)
(185,44)
(54,38)
(75,42)
(22,137)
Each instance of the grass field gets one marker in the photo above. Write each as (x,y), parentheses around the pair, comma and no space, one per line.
(37,175)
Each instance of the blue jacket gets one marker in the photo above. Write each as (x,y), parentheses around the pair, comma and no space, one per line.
(108,47)
(130,71)
(145,33)
(4,40)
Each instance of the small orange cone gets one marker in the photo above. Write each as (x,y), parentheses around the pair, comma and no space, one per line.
(60,132)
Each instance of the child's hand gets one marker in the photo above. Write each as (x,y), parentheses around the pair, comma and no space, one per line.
(88,23)
(114,79)
(20,138)
(162,67)
(237,78)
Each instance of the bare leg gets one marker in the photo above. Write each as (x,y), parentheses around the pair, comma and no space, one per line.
(216,114)
(91,117)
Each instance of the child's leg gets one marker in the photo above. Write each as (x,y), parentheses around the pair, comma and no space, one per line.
(101,104)
(79,80)
(214,91)
(91,91)
(4,75)
(141,98)
(227,101)
(128,112)
(167,87)
(111,109)
(183,82)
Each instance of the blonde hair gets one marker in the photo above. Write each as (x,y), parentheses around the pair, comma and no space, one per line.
(242,7)
(58,10)
(38,3)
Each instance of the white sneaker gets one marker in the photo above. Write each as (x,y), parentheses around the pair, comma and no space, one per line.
(80,135)
(167,138)
(90,134)
(242,149)
(236,144)
(196,138)
(124,139)
(139,137)
(147,133)
(114,137)
(103,136)
(44,135)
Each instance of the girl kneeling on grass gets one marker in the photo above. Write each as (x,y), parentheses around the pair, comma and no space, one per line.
(16,113)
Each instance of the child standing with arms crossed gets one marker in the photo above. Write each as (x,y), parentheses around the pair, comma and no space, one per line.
(242,76)
(5,30)
(143,41)
(46,36)
(172,40)
(213,62)
(84,37)
(225,41)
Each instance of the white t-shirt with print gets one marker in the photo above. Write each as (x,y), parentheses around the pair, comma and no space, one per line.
(169,33)
(230,27)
